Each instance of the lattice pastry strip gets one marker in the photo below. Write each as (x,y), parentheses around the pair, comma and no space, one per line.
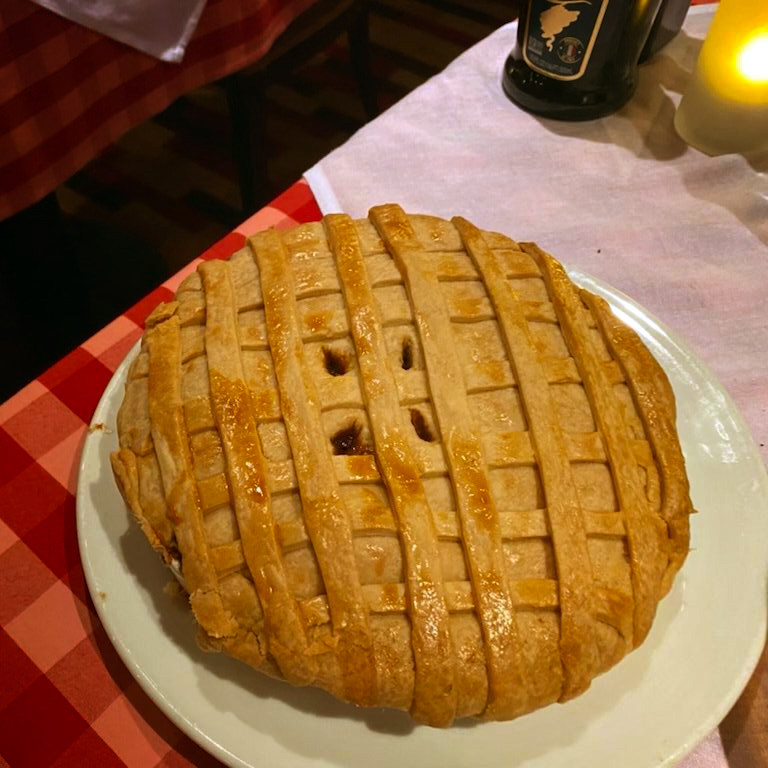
(646,531)
(508,695)
(325,516)
(566,521)
(434,691)
(407,461)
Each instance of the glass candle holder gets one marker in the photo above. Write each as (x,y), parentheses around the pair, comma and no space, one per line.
(725,107)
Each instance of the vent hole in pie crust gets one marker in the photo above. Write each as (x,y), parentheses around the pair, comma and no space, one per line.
(406,358)
(348,441)
(337,362)
(175,554)
(421,426)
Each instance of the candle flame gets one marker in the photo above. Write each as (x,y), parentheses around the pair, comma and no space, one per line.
(753,59)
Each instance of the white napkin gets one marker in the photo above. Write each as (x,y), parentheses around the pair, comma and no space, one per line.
(161,28)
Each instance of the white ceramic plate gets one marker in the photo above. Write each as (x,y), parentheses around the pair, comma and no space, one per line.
(655,706)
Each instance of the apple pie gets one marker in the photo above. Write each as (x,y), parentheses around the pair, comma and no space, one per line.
(409,462)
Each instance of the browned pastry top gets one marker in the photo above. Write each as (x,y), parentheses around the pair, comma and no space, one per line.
(407,461)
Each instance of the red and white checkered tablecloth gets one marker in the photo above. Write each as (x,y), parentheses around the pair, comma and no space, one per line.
(66,93)
(66,698)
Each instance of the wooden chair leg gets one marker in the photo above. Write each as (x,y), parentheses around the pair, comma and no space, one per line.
(358,37)
(246,91)
(247,110)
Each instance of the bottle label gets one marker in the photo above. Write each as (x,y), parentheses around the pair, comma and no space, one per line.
(560,35)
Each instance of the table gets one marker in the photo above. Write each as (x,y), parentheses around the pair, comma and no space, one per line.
(58,667)
(66,92)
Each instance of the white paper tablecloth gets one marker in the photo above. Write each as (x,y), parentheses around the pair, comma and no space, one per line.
(622,198)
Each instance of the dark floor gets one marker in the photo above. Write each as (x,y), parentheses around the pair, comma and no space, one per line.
(168,189)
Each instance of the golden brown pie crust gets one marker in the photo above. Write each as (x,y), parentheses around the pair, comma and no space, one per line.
(409,462)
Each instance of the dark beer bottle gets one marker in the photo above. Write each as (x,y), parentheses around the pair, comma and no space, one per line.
(577,59)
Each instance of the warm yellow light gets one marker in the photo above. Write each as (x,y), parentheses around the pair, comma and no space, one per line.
(753,59)
(725,106)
